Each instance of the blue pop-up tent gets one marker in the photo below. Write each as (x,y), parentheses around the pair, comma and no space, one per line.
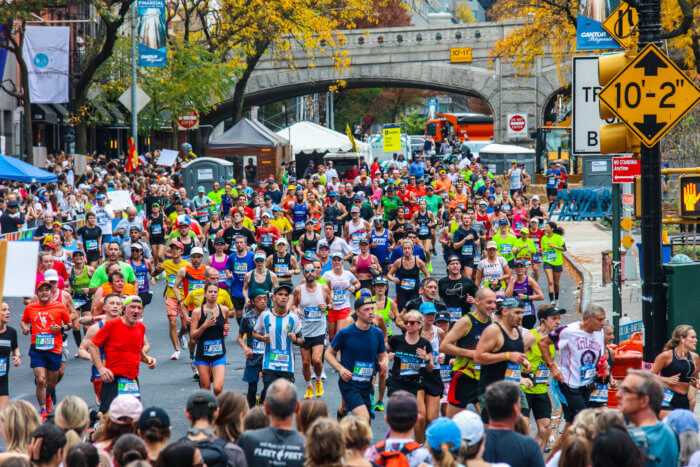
(15,169)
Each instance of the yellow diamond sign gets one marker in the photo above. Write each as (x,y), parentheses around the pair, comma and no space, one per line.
(627,224)
(621,24)
(650,95)
(628,241)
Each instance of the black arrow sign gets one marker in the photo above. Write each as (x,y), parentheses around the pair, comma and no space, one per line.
(651,64)
(650,127)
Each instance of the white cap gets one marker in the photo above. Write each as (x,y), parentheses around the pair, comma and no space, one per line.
(471,426)
(281,240)
(51,275)
(265,213)
(536,197)
(197,251)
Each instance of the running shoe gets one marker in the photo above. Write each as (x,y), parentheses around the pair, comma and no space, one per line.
(49,405)
(44,415)
(183,341)
(175,355)
(319,388)
(194,370)
(379,406)
(323,374)
(430,267)
(309,392)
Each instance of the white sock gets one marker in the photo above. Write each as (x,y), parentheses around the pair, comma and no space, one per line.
(308,384)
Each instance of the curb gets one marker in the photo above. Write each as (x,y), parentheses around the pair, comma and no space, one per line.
(586,277)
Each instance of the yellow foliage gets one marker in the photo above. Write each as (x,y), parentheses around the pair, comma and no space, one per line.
(464,13)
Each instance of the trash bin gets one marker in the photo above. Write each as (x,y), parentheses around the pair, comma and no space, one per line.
(683,305)
(666,251)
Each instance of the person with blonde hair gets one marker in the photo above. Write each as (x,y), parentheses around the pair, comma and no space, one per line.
(358,437)
(325,444)
(233,408)
(17,423)
(73,417)
(677,367)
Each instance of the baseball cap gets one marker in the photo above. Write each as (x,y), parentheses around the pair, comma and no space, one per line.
(178,244)
(364,240)
(355,209)
(357,196)
(78,252)
(442,316)
(135,227)
(259,257)
(492,197)
(324,245)
(265,214)
(491,244)
(483,203)
(427,308)
(267,196)
(512,302)
(503,221)
(286,287)
(535,219)
(12,203)
(101,196)
(256,293)
(336,254)
(50,245)
(363,300)
(201,398)
(470,426)
(197,251)
(155,204)
(390,187)
(153,417)
(137,246)
(332,193)
(429,187)
(219,241)
(536,197)
(40,284)
(549,311)
(380,280)
(443,430)
(520,262)
(309,221)
(56,223)
(125,405)
(200,189)
(682,420)
(525,231)
(401,407)
(280,241)
(276,208)
(51,275)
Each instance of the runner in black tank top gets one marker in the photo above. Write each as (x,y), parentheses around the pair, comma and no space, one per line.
(409,282)
(308,248)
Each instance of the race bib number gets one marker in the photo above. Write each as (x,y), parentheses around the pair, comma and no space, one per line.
(312,313)
(467,250)
(455,313)
(542,374)
(77,302)
(299,225)
(3,366)
(423,230)
(587,374)
(477,258)
(446,373)
(477,367)
(410,366)
(599,394)
(128,386)
(222,276)
(279,358)
(102,218)
(258,347)
(266,240)
(339,296)
(537,258)
(213,348)
(44,341)
(171,280)
(512,372)
(408,283)
(240,268)
(203,218)
(91,244)
(362,372)
(141,280)
(668,396)
(356,237)
(281,269)
(195,284)
(550,256)
(519,226)
(310,255)
(506,248)
(156,229)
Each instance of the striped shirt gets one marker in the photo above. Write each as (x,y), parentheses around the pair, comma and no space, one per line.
(279,355)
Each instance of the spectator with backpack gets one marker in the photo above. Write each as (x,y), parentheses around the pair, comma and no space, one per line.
(400,449)
(201,410)
(280,443)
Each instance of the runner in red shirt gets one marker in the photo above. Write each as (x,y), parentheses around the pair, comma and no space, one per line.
(46,319)
(267,234)
(406,198)
(125,348)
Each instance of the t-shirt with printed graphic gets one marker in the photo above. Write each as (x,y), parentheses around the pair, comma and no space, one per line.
(8,344)
(273,447)
(41,317)
(339,285)
(579,353)
(279,352)
(405,371)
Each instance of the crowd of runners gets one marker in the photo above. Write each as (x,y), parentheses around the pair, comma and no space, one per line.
(341,267)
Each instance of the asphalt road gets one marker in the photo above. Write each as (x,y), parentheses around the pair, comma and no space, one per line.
(170,383)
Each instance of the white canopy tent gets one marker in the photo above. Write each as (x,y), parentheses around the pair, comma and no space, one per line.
(505,149)
(308,137)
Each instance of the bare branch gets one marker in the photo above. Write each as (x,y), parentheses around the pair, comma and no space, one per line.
(685,24)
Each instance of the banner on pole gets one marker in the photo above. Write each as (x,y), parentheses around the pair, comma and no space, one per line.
(152,33)
(590,34)
(3,53)
(45,51)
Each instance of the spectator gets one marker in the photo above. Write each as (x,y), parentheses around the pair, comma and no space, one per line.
(401,415)
(325,444)
(127,449)
(640,398)
(154,429)
(310,411)
(584,425)
(82,455)
(576,452)
(17,423)
(686,427)
(121,419)
(358,437)
(201,410)
(280,439)
(233,408)
(615,448)
(46,446)
(72,416)
(503,406)
(256,418)
(180,454)
(443,438)
(472,431)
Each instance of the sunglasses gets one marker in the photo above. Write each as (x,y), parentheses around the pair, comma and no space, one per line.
(412,323)
(309,271)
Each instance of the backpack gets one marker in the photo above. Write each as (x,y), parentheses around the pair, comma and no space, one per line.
(393,458)
(640,439)
(213,451)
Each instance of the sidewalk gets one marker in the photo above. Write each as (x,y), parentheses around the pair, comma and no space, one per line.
(585,243)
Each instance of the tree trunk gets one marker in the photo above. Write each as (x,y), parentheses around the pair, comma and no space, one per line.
(176,134)
(27,104)
(80,128)
(239,89)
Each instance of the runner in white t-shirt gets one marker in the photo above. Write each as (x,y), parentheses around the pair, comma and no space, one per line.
(580,346)
(492,271)
(342,283)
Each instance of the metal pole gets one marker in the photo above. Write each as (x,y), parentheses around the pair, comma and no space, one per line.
(616,276)
(134,56)
(654,310)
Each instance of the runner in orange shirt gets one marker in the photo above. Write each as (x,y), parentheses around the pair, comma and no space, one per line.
(443,184)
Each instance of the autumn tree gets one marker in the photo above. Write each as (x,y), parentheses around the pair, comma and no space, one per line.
(385,14)
(464,13)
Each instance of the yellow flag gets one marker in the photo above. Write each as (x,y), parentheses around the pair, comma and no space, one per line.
(352,138)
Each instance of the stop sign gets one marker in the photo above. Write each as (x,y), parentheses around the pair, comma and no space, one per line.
(517,123)
(188,120)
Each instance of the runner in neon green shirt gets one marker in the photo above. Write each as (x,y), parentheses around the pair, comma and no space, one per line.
(505,241)
(524,246)
(552,246)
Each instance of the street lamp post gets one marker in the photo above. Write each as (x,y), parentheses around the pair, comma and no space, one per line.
(134,55)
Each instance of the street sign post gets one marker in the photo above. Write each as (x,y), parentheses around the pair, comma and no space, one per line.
(650,95)
(188,120)
(622,24)
(517,125)
(624,169)
(392,139)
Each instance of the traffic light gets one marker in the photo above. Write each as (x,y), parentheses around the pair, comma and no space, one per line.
(615,138)
(688,196)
